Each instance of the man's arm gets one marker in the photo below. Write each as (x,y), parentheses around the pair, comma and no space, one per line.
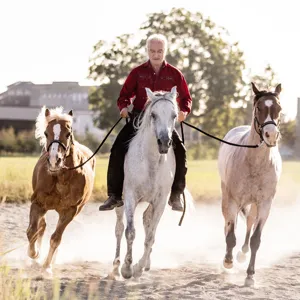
(128,91)
(185,99)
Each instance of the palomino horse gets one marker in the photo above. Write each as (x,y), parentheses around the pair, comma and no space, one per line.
(249,176)
(149,173)
(54,186)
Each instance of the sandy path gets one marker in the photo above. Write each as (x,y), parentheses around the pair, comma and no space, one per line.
(186,261)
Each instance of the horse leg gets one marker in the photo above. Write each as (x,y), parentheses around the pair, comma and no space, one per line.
(119,229)
(263,210)
(126,269)
(151,219)
(230,210)
(65,217)
(251,216)
(35,229)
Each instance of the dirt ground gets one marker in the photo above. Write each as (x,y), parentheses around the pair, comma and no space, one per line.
(186,260)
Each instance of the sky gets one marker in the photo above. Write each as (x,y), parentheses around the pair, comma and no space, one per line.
(44,41)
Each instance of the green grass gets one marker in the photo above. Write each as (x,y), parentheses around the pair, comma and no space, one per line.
(202,179)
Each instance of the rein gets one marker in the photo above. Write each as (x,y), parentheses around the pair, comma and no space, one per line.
(223,141)
(103,141)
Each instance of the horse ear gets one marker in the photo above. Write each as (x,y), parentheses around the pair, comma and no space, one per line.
(278,88)
(174,90)
(149,93)
(254,88)
(71,113)
(47,112)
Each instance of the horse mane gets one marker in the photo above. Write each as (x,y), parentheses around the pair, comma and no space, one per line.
(42,121)
(143,121)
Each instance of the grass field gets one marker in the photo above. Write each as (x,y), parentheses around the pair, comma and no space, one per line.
(202,179)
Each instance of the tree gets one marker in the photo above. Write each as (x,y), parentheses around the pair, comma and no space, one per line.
(211,64)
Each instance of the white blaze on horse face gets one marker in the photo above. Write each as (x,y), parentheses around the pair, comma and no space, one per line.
(270,131)
(54,147)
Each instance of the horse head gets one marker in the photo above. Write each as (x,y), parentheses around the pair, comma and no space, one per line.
(161,113)
(55,132)
(266,113)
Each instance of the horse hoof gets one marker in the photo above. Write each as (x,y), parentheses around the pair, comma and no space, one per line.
(127,271)
(137,271)
(147,269)
(32,253)
(241,257)
(227,265)
(249,281)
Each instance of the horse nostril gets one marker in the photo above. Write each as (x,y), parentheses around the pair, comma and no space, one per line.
(267,135)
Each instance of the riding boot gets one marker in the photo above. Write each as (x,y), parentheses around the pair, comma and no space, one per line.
(112,202)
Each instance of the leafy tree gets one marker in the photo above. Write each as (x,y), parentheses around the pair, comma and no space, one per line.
(211,64)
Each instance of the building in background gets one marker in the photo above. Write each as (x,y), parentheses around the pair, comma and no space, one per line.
(22,101)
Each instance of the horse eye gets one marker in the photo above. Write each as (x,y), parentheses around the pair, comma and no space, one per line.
(68,135)
(153,116)
(46,134)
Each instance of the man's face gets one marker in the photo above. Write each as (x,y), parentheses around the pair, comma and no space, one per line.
(156,52)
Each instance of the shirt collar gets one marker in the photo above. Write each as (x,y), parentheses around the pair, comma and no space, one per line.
(148,64)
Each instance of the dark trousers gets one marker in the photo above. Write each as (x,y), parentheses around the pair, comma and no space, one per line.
(115,173)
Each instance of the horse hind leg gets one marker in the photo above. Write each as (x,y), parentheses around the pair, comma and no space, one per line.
(151,219)
(35,229)
(119,230)
(230,211)
(250,219)
(65,217)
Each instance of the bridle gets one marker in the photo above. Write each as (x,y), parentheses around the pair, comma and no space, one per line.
(258,126)
(66,148)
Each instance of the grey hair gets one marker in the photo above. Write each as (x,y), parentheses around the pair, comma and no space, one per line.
(158,37)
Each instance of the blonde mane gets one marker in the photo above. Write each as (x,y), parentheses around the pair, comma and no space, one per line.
(42,121)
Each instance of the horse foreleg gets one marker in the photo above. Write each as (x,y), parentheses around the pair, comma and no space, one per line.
(126,269)
(230,211)
(65,217)
(251,217)
(35,229)
(119,233)
(151,219)
(263,210)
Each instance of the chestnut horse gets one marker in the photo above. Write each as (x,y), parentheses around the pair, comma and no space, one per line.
(55,187)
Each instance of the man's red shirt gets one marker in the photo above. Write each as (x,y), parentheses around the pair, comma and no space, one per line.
(144,76)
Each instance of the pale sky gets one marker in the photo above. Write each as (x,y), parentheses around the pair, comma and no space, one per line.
(44,41)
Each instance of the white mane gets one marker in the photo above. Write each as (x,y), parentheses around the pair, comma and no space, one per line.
(42,121)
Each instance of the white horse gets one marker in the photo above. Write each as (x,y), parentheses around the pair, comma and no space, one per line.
(149,173)
(249,176)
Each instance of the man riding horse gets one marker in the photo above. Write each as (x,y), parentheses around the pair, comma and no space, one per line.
(157,75)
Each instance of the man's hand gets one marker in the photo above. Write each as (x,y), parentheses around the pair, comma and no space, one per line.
(182,115)
(124,112)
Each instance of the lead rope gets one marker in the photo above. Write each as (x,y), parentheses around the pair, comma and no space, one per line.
(184,201)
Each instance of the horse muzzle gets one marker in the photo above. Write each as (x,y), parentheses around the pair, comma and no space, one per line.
(164,145)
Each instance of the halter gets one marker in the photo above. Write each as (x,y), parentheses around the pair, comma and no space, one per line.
(259,127)
(62,144)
